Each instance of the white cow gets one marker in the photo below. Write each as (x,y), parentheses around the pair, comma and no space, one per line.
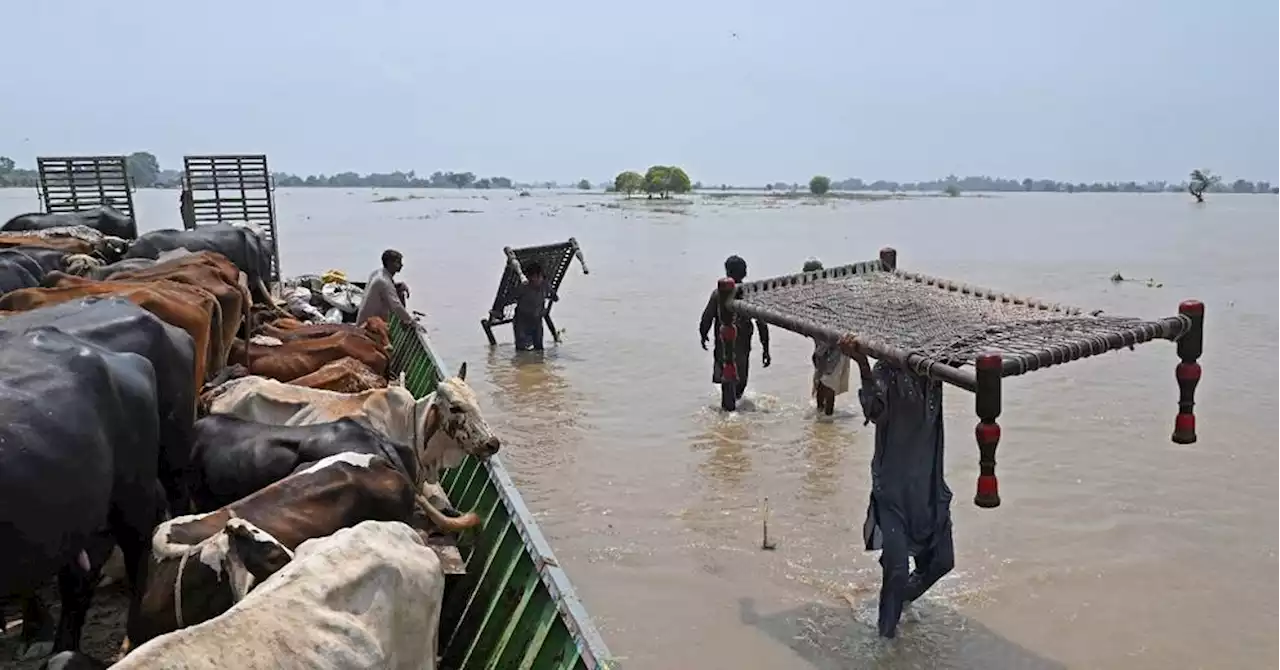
(365,597)
(443,426)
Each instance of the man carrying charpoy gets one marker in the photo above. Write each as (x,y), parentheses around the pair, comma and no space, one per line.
(531,308)
(736,269)
(909,515)
(384,297)
(830,367)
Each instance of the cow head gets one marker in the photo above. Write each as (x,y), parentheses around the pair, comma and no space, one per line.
(452,426)
(202,564)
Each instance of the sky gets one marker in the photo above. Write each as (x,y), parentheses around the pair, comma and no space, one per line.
(737,92)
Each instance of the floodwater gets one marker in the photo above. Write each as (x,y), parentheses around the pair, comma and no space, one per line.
(1115,548)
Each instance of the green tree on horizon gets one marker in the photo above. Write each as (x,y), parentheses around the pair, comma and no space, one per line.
(819,185)
(628,182)
(584,185)
(664,180)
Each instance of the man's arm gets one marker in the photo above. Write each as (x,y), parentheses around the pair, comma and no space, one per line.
(388,292)
(872,394)
(708,317)
(763,329)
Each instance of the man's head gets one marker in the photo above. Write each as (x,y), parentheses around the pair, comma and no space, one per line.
(533,272)
(735,267)
(392,260)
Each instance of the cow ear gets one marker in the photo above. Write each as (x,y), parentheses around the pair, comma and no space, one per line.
(462,371)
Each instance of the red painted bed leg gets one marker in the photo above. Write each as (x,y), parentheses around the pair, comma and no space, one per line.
(1190,346)
(987,404)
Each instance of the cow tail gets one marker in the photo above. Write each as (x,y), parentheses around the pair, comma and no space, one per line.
(444,523)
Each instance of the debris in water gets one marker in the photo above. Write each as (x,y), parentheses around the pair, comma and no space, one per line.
(765,544)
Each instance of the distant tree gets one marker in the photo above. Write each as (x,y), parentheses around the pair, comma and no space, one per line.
(461,179)
(500,182)
(1262,187)
(697,186)
(664,180)
(1201,181)
(483,183)
(628,182)
(1242,186)
(144,168)
(6,165)
(1071,188)
(819,185)
(1028,183)
(952,190)
(584,185)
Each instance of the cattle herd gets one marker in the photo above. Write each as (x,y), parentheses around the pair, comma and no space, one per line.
(157,406)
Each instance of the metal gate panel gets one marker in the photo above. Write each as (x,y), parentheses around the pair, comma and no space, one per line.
(77,183)
(231,189)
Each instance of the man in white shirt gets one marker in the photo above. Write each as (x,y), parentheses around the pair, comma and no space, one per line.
(382,296)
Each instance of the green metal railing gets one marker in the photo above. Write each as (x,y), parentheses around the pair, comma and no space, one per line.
(515,607)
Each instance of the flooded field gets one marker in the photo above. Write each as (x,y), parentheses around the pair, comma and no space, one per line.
(1114,548)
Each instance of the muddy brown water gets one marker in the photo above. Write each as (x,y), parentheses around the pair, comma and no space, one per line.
(1114,548)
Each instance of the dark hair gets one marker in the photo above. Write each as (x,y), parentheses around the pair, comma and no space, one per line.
(533,269)
(391,255)
(735,267)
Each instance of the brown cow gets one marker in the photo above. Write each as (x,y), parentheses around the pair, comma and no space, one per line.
(203,564)
(287,330)
(346,375)
(286,361)
(212,272)
(70,245)
(190,308)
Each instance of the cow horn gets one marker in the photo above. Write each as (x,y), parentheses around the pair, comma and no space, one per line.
(462,371)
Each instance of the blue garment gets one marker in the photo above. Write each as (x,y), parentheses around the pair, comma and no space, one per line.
(528,335)
(910,509)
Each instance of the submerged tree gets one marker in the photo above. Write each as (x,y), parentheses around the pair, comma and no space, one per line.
(664,180)
(1201,181)
(628,182)
(819,185)
(584,185)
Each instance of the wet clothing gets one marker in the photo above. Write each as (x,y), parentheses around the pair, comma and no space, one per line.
(910,510)
(710,323)
(830,367)
(382,299)
(531,307)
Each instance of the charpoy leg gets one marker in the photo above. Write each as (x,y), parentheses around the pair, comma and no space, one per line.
(894,562)
(932,564)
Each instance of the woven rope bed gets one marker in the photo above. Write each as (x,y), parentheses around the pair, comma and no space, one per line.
(554,259)
(963,335)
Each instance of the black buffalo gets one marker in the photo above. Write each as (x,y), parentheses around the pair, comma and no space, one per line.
(250,252)
(120,326)
(25,267)
(104,219)
(78,452)
(233,458)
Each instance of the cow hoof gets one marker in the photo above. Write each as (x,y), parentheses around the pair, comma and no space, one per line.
(36,650)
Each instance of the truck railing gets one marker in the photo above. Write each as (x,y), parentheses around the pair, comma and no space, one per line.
(515,607)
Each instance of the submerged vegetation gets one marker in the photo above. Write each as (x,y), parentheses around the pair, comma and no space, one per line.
(819,185)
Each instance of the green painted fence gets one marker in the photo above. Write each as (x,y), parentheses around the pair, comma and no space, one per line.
(515,607)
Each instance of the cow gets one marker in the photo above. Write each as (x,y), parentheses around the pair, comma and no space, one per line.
(443,426)
(104,219)
(18,270)
(287,361)
(243,245)
(209,271)
(79,447)
(345,375)
(202,564)
(70,239)
(368,596)
(188,307)
(120,326)
(232,458)
(94,268)
(287,330)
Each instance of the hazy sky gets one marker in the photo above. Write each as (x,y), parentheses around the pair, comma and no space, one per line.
(1086,90)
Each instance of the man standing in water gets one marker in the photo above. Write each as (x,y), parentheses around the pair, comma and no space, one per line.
(830,367)
(383,297)
(531,307)
(910,510)
(736,269)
